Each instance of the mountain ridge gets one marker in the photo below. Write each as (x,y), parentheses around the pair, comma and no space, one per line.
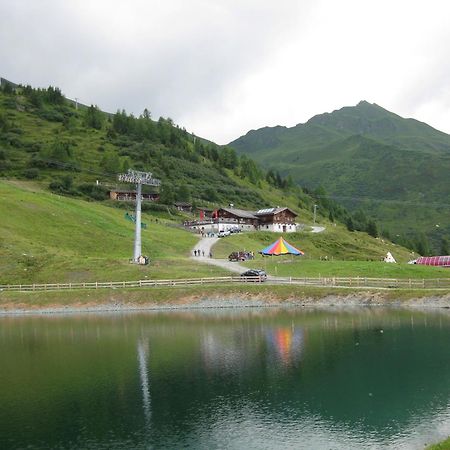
(364,149)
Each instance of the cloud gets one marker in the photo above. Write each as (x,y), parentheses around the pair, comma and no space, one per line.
(222,67)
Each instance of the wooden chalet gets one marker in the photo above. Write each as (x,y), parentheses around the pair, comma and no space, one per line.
(280,220)
(237,217)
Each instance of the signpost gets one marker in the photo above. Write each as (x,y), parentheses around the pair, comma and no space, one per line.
(138,178)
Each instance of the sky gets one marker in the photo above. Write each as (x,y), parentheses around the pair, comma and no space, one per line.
(220,68)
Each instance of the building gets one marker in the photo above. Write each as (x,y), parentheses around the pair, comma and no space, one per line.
(232,218)
(280,220)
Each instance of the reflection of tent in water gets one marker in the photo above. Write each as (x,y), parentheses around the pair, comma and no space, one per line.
(287,343)
(281,247)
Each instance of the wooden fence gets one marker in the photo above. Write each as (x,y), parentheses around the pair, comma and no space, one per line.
(343,282)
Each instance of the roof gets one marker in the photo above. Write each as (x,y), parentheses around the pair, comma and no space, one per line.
(239,213)
(273,211)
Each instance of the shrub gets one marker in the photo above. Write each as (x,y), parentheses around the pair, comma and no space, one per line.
(31,173)
(94,191)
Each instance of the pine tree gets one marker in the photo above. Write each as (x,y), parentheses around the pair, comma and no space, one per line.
(445,246)
(372,228)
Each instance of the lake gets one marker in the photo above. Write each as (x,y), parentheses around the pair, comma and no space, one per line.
(226,379)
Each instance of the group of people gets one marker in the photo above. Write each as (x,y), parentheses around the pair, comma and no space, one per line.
(201,253)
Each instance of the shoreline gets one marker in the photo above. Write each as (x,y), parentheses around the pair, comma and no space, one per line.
(194,299)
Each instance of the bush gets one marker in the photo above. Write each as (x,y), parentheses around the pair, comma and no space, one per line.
(94,191)
(63,185)
(51,115)
(32,173)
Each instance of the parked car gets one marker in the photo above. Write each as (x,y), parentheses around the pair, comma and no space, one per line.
(223,233)
(240,256)
(255,275)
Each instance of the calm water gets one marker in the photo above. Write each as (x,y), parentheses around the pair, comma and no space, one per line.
(231,379)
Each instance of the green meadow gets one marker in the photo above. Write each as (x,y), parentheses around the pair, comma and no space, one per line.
(50,238)
(334,252)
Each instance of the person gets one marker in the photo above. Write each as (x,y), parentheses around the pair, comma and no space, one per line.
(203,253)
(210,254)
(195,252)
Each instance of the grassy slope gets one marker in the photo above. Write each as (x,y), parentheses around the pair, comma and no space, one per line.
(349,254)
(48,238)
(444,445)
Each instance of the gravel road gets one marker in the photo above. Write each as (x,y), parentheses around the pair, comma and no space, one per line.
(205,245)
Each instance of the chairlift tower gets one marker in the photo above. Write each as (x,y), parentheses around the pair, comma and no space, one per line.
(138,178)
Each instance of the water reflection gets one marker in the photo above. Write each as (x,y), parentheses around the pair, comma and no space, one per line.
(286,344)
(357,378)
(142,351)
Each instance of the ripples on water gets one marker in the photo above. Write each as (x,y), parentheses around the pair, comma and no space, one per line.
(262,379)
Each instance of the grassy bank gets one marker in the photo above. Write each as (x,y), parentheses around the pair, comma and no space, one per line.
(333,252)
(445,445)
(188,295)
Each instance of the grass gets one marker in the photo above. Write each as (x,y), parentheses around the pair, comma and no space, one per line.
(47,238)
(444,445)
(186,295)
(348,255)
(334,243)
(370,269)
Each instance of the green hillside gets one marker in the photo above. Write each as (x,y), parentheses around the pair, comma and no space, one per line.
(43,137)
(49,238)
(58,164)
(333,253)
(79,152)
(396,169)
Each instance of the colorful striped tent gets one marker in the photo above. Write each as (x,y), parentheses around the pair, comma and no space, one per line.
(281,247)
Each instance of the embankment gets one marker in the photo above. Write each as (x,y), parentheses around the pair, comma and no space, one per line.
(214,297)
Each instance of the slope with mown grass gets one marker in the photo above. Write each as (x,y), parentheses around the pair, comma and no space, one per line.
(48,238)
(334,252)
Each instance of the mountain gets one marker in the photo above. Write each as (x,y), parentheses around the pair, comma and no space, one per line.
(396,169)
(78,150)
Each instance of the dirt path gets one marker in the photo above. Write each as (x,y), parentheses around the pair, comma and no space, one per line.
(204,246)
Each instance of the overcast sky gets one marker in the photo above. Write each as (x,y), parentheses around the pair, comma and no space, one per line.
(222,67)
